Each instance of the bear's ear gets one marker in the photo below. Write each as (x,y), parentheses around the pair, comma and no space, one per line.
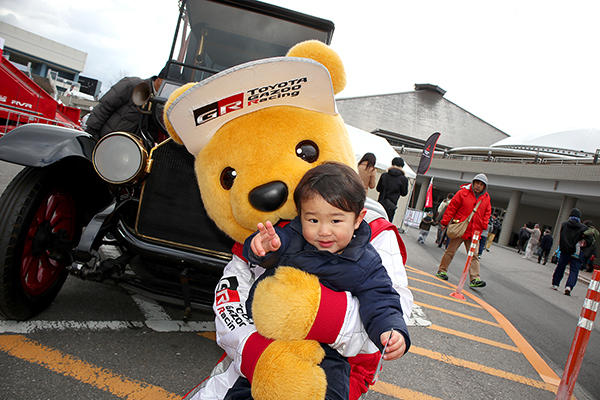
(320,52)
(176,93)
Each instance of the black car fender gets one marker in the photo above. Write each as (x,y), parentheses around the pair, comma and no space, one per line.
(41,145)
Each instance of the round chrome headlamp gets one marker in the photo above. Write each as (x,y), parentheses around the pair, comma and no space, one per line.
(119,157)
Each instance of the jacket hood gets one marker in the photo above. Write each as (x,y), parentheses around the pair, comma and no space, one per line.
(394,170)
(481,177)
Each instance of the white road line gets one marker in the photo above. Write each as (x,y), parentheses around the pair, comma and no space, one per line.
(8,326)
(150,308)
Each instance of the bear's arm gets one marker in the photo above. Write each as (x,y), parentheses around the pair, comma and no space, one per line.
(232,324)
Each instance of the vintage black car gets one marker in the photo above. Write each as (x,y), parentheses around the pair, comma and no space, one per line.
(126,208)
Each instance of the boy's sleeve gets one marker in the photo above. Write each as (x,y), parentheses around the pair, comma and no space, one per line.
(380,308)
(352,337)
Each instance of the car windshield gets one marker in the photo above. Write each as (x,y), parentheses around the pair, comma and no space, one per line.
(215,36)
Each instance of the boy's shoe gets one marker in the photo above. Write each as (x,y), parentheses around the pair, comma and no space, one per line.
(477,282)
(442,275)
(554,287)
(568,291)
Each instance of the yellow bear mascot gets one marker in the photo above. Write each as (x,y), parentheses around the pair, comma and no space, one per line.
(254,130)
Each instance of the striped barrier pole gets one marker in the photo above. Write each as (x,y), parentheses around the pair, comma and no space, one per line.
(472,251)
(580,341)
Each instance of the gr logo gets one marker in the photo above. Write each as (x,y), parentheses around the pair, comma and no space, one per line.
(227,291)
(211,111)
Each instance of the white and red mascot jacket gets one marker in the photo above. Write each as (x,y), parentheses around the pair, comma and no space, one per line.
(341,325)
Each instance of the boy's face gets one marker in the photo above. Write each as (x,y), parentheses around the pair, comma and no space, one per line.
(326,227)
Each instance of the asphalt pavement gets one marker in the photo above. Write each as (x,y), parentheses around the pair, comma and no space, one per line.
(471,349)
(97,341)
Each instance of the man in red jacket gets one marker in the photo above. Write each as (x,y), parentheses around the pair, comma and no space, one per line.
(460,207)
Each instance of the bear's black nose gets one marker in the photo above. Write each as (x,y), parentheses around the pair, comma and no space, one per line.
(268,197)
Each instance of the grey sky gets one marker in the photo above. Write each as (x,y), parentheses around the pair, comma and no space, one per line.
(526,67)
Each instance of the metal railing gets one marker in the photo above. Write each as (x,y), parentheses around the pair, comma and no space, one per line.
(13,119)
(538,159)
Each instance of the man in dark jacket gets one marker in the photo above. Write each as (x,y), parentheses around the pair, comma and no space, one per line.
(545,246)
(571,235)
(523,238)
(392,184)
(116,110)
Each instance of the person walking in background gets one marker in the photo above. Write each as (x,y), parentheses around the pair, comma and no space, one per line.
(424,227)
(441,232)
(469,197)
(534,240)
(483,239)
(571,234)
(545,246)
(523,238)
(591,252)
(366,170)
(494,231)
(392,184)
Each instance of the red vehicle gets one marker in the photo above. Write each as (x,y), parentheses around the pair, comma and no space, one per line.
(22,101)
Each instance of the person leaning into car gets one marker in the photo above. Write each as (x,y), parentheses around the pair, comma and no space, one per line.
(460,207)
(116,110)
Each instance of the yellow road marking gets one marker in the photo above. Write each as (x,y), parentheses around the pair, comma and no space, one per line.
(445,286)
(208,335)
(545,372)
(474,338)
(445,297)
(400,393)
(482,368)
(457,314)
(21,347)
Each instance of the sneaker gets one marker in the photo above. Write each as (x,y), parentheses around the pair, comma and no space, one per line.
(477,283)
(554,287)
(442,275)
(568,291)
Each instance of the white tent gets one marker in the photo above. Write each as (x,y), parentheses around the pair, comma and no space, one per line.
(366,142)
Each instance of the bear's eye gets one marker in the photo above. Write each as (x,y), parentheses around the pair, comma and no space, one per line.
(308,151)
(227,177)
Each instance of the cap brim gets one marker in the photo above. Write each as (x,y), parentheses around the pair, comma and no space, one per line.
(198,113)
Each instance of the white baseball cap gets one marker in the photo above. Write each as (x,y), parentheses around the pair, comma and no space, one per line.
(199,112)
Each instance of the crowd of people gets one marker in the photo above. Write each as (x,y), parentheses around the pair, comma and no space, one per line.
(579,244)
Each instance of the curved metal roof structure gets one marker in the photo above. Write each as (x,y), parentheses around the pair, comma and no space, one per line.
(580,142)
(567,145)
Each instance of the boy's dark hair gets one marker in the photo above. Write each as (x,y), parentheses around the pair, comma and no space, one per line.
(398,162)
(337,183)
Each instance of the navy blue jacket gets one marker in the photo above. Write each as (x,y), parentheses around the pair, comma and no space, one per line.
(357,269)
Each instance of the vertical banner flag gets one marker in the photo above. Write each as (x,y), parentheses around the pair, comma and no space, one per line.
(429,197)
(427,154)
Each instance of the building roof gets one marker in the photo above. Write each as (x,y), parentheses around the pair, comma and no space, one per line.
(576,142)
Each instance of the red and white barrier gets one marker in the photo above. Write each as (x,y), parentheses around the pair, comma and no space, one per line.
(580,341)
(472,250)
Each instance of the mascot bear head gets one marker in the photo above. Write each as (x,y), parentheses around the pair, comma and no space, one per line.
(256,128)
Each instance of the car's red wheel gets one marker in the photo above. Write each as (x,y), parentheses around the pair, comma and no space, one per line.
(38,227)
(43,260)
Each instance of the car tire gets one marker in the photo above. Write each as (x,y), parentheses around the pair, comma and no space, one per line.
(37,228)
